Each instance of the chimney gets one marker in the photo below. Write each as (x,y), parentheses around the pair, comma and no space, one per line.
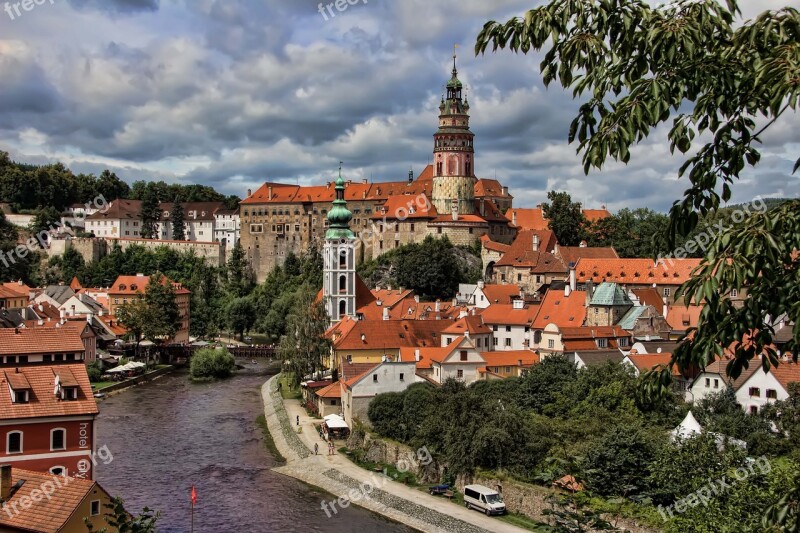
(567,290)
(89,317)
(63,315)
(249,193)
(522,294)
(665,309)
(417,356)
(269,189)
(573,279)
(481,285)
(386,313)
(5,482)
(100,313)
(584,244)
(438,306)
(416,298)
(535,242)
(455,211)
(513,217)
(411,176)
(505,191)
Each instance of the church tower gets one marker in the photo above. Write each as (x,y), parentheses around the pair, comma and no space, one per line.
(339,259)
(454,153)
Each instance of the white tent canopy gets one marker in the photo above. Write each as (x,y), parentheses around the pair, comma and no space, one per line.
(688,428)
(336,423)
(332,417)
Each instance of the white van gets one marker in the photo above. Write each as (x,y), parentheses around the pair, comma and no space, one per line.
(483,499)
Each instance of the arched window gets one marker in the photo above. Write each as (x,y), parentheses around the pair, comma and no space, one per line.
(14,442)
(343,259)
(342,283)
(469,168)
(58,439)
(439,168)
(342,308)
(452,166)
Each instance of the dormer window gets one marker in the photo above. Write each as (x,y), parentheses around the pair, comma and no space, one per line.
(69,394)
(21,396)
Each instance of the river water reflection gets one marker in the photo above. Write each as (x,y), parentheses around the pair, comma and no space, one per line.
(167,435)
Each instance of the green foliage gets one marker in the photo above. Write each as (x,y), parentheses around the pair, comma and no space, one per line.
(208,363)
(241,278)
(151,213)
(565,218)
(697,65)
(46,219)
(120,521)
(241,315)
(430,268)
(632,233)
(94,371)
(178,222)
(539,386)
(159,295)
(303,344)
(188,193)
(65,267)
(15,266)
(618,463)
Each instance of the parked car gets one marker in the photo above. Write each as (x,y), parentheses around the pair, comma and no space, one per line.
(438,490)
(483,499)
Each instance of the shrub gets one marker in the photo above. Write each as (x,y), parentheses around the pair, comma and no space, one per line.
(93,369)
(209,363)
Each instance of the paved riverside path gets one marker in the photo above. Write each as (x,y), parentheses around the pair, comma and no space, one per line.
(340,476)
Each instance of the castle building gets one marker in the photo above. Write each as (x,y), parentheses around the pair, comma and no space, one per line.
(445,199)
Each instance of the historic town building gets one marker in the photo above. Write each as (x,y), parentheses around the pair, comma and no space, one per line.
(445,199)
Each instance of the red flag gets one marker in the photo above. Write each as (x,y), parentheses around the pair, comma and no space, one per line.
(194,496)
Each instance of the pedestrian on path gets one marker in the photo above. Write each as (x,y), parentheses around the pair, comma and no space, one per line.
(330,448)
(298,420)
(316,448)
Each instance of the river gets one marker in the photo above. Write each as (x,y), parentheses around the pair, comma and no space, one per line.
(170,434)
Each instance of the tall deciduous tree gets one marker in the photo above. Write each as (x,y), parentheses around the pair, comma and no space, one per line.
(304,345)
(151,213)
(160,296)
(697,65)
(178,222)
(240,275)
(565,218)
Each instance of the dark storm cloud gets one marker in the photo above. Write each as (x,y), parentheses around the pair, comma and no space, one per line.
(232,92)
(116,6)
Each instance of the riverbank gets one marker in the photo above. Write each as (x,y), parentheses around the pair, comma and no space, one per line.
(339,476)
(138,380)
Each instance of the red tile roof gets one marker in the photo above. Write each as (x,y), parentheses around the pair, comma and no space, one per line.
(571,254)
(649,297)
(43,403)
(786,373)
(563,311)
(406,207)
(27,341)
(429,355)
(119,210)
(489,244)
(390,334)
(131,285)
(348,383)
(18,287)
(334,390)
(681,318)
(522,255)
(489,187)
(510,358)
(506,315)
(635,271)
(48,514)
(472,324)
(720,367)
(501,294)
(645,362)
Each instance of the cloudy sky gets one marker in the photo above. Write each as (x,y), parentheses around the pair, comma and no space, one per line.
(232,93)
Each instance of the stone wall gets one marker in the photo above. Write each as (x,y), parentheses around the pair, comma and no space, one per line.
(403,457)
(95,249)
(532,500)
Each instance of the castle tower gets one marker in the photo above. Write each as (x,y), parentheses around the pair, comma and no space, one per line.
(339,259)
(454,153)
